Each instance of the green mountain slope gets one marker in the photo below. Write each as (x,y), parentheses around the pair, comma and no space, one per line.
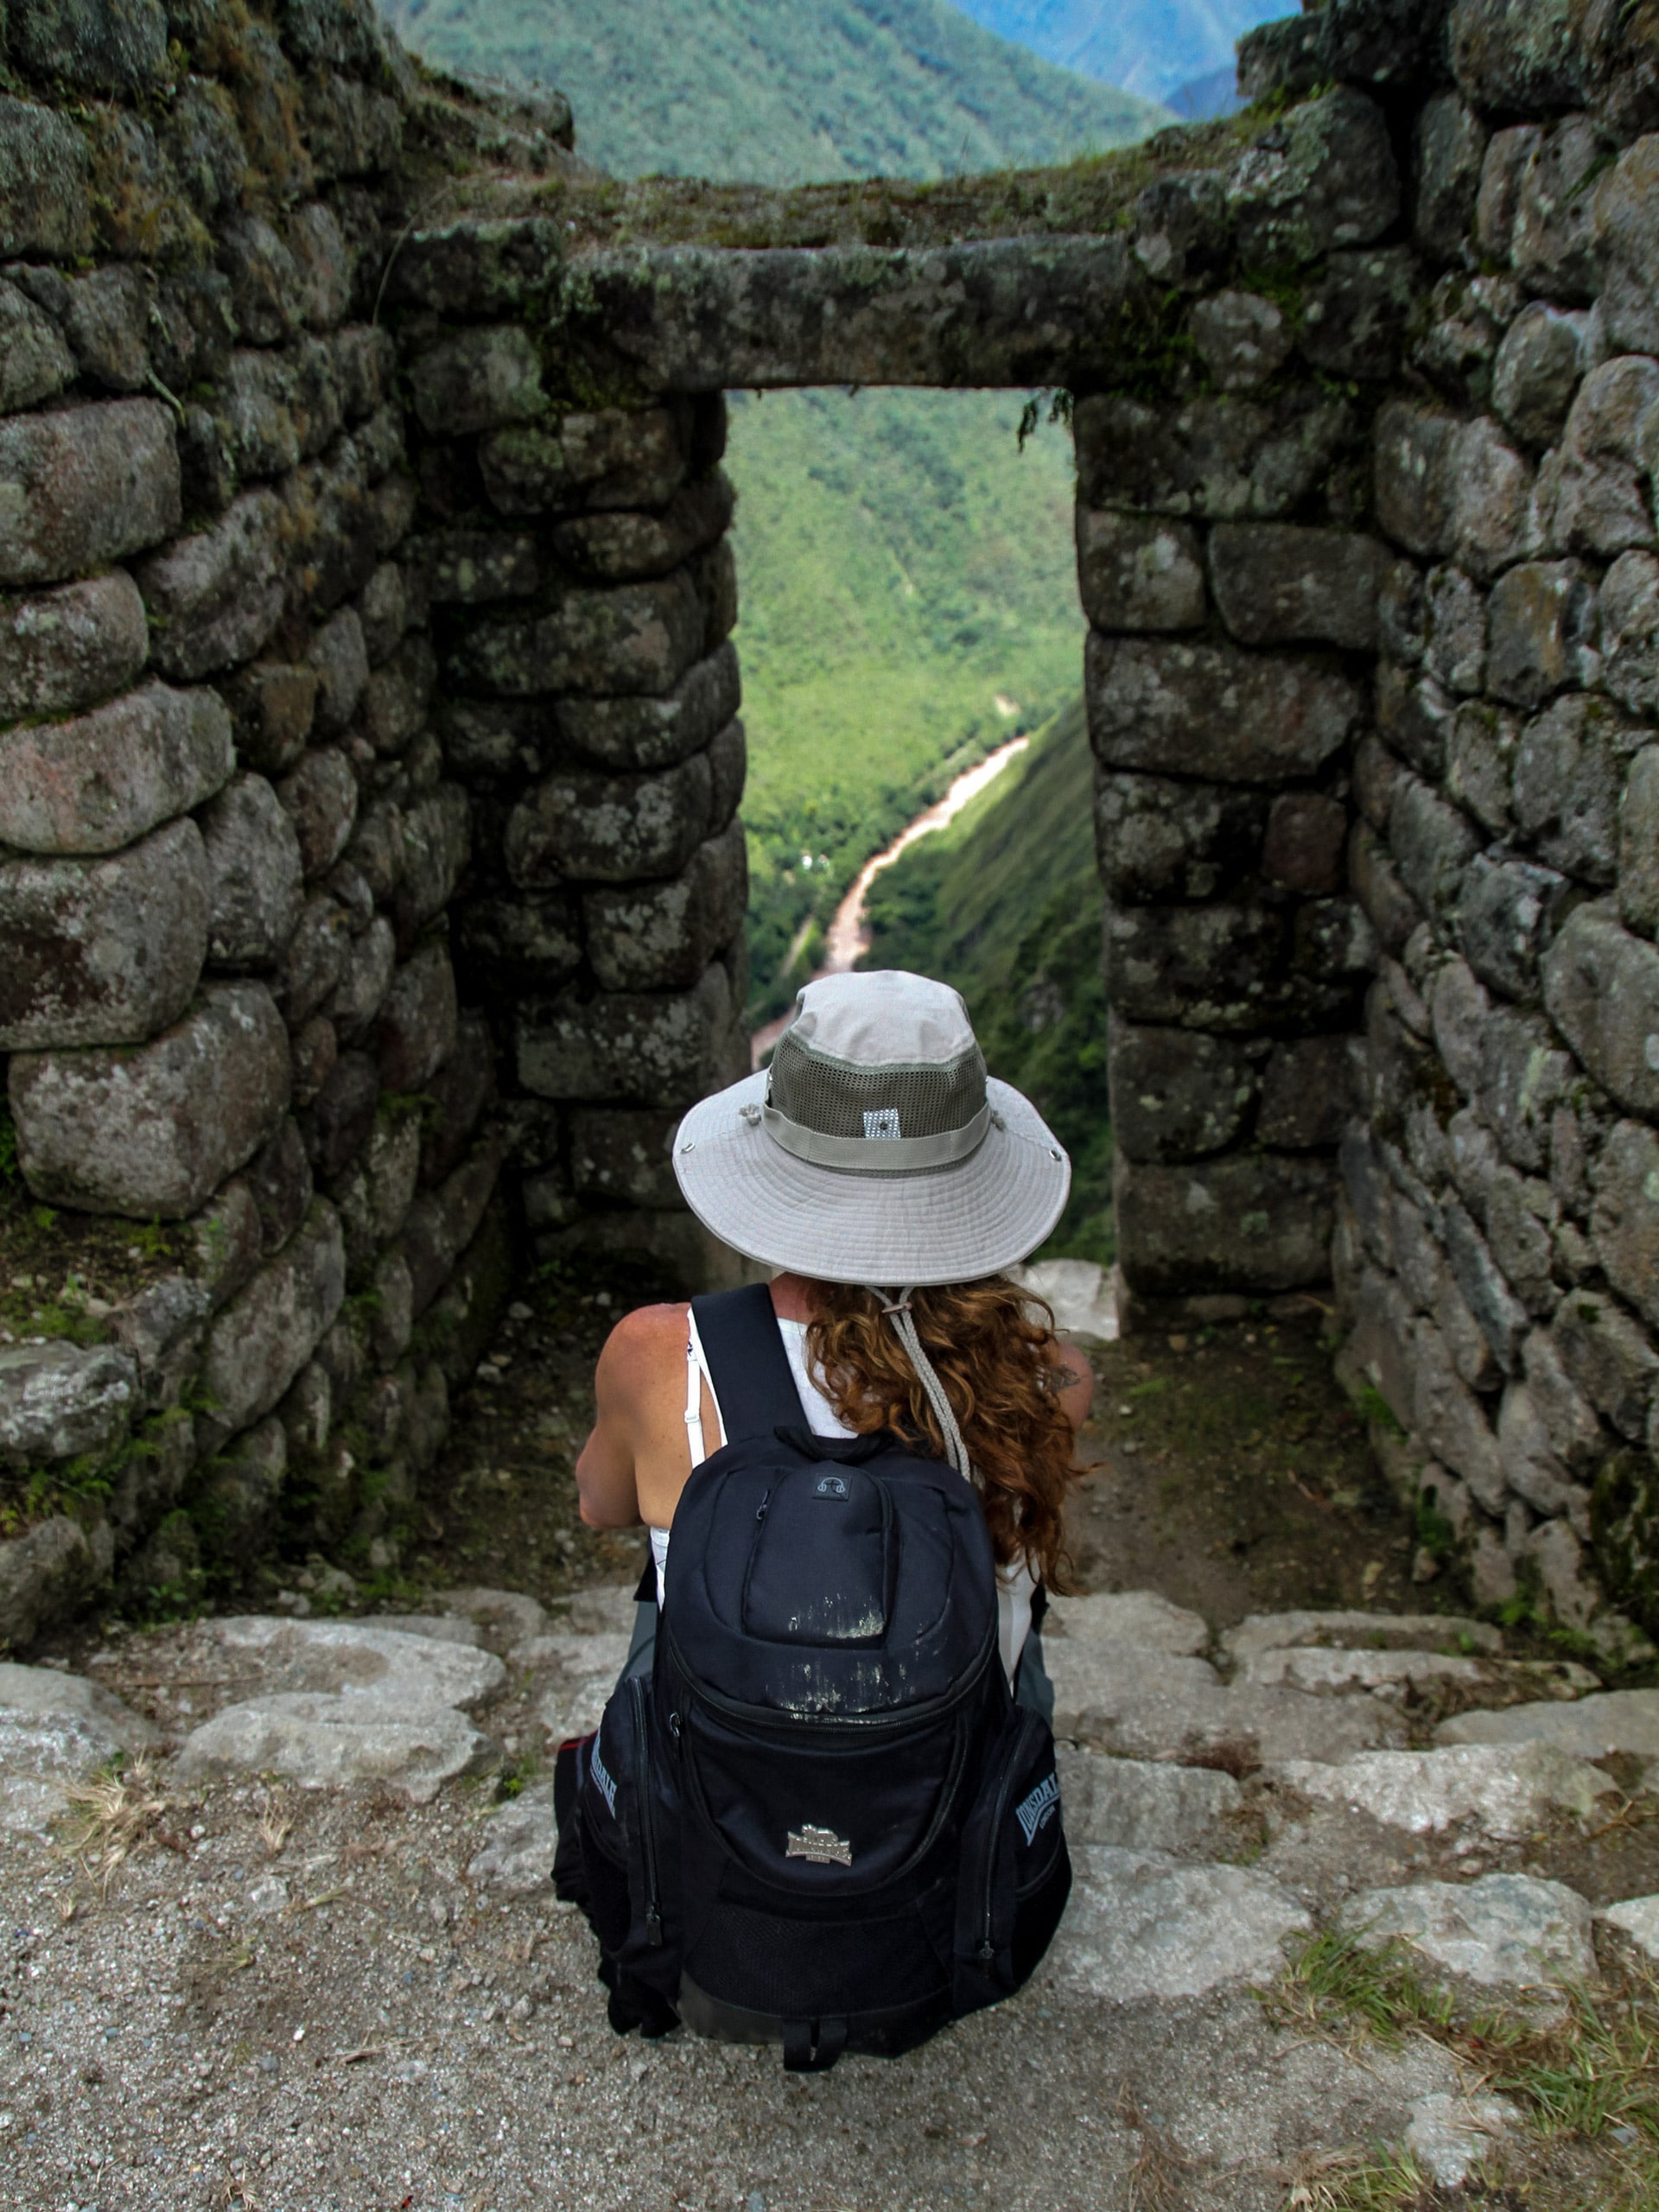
(1005,905)
(909,601)
(782,91)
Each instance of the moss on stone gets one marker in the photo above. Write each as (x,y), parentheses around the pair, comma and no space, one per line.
(1093,195)
(1624,1524)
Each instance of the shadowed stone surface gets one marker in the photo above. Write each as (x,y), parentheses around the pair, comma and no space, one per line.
(1143,1804)
(103,952)
(1601,988)
(82,488)
(45,205)
(58,1400)
(68,649)
(698,319)
(1212,710)
(268,1332)
(154,1129)
(1256,1221)
(96,784)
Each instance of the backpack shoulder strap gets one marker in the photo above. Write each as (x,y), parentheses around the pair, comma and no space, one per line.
(752,1378)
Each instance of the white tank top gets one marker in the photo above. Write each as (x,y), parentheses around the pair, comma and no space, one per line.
(1014,1584)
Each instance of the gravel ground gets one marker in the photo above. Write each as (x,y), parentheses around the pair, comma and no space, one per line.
(342,2022)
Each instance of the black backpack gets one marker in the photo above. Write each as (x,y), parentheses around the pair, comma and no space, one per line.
(821,1820)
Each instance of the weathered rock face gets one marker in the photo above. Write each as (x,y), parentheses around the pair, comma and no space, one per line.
(96,782)
(85,487)
(103,952)
(153,1130)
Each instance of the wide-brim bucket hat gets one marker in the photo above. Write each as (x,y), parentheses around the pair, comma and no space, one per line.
(875,1148)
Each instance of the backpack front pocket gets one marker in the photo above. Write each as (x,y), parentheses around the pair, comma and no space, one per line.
(821,1811)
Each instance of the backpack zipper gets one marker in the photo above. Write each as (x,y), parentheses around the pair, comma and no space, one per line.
(1010,1766)
(647,1829)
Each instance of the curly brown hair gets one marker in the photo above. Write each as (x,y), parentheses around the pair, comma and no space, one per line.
(994,1347)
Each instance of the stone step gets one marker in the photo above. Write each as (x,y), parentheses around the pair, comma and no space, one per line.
(1595,1727)
(1149,1704)
(1397,1674)
(1145,1805)
(1142,1923)
(1133,1616)
(1505,1792)
(1512,1929)
(1358,1631)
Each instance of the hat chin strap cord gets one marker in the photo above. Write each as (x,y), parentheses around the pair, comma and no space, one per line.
(903,1327)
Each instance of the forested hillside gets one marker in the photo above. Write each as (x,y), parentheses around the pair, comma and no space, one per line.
(782,91)
(910,601)
(1005,905)
(1146,45)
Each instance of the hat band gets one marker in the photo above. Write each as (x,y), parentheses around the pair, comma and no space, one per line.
(877,1156)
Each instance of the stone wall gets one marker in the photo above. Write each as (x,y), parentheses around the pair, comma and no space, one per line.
(582,594)
(1497,1248)
(252,1241)
(365,655)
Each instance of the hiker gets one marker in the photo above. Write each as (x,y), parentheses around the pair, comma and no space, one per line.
(822,1808)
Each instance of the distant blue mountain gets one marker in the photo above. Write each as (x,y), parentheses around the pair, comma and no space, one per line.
(1214,93)
(1155,47)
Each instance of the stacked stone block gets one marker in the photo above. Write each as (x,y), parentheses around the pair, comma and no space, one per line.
(1497,1248)
(228,843)
(1233,606)
(583,592)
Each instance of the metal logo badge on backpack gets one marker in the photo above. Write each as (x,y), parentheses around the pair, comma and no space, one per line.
(822,1845)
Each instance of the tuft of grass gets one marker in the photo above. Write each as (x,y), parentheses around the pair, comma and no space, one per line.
(1370,1405)
(1358,2181)
(112,1815)
(1338,1987)
(276,1822)
(1592,2069)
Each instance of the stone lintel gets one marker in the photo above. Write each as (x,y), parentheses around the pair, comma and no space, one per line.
(1018,311)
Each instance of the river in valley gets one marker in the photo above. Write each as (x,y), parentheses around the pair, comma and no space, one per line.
(848,936)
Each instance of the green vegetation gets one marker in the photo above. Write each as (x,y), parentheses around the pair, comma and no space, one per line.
(820,88)
(910,602)
(1005,904)
(1582,2071)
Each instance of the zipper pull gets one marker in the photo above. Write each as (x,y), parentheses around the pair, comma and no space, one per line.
(986,1954)
(653,1928)
(760,1509)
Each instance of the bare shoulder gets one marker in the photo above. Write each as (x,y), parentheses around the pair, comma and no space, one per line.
(642,1342)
